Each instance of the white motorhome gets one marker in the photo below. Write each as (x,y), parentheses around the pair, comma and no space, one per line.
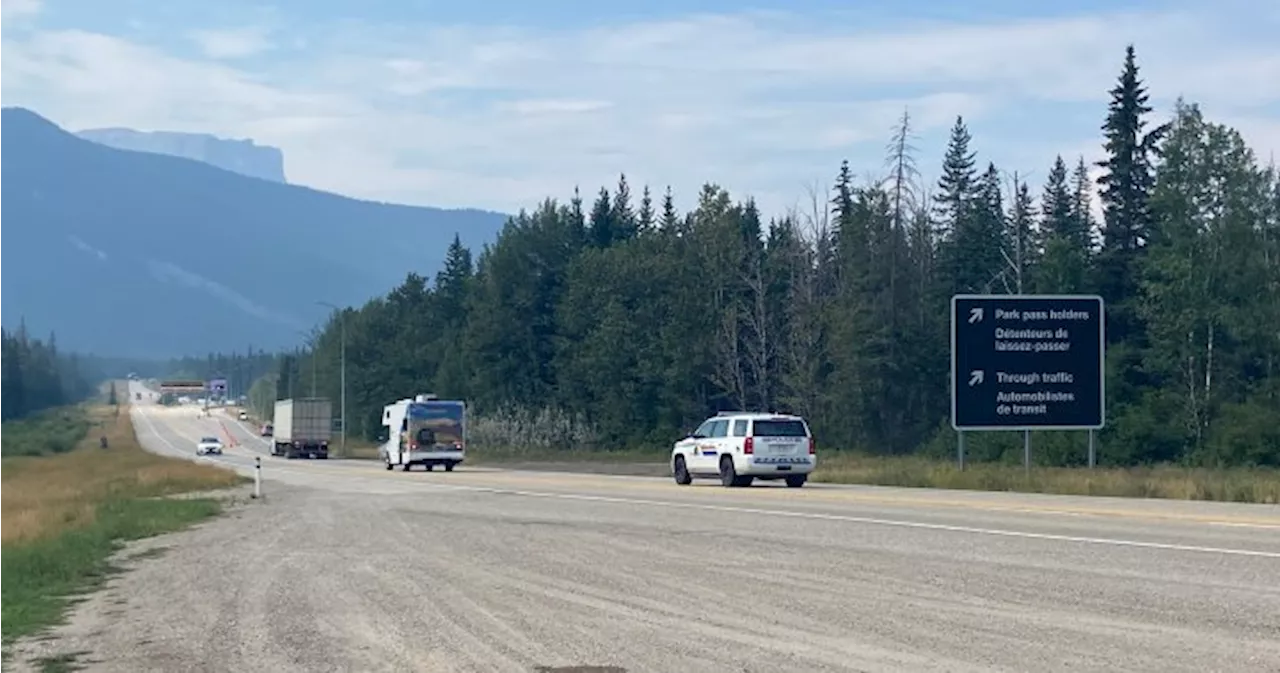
(424,430)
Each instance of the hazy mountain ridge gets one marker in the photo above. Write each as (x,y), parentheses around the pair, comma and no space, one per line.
(242,156)
(136,253)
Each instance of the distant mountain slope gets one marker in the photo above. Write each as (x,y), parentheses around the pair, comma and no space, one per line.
(140,254)
(239,156)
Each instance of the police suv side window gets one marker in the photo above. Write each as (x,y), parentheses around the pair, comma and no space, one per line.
(720,428)
(740,428)
(703,430)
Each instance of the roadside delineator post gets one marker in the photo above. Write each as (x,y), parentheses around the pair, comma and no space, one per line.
(257,477)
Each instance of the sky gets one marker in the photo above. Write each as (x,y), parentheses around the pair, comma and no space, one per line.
(501,104)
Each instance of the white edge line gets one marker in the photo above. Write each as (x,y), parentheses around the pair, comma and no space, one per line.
(862,519)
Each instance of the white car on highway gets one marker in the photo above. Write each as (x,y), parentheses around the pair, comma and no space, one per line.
(209,445)
(740,447)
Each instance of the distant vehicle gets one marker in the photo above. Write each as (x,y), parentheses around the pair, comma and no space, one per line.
(740,447)
(424,431)
(244,415)
(137,396)
(209,445)
(302,427)
(266,430)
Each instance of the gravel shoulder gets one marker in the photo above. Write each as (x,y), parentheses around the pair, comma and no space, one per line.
(346,568)
(316,580)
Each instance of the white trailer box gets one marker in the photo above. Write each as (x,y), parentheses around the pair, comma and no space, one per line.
(302,427)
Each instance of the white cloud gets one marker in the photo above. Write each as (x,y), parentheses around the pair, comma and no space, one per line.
(556,106)
(232,43)
(85,247)
(502,117)
(19,9)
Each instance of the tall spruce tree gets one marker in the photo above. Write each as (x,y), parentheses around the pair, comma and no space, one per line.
(1125,190)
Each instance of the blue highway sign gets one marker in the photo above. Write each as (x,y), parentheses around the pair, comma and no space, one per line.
(1027,362)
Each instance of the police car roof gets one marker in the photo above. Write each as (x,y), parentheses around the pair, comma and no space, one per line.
(757,415)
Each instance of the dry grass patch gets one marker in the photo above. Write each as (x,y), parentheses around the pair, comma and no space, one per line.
(360,451)
(45,496)
(66,513)
(1260,485)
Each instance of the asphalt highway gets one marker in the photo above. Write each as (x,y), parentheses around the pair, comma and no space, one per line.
(345,566)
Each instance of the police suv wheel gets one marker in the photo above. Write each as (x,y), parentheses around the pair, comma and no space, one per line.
(681,472)
(728,475)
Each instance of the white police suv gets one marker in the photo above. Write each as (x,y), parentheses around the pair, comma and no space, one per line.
(740,447)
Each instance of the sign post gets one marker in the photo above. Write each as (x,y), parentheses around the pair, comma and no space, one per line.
(257,477)
(1027,362)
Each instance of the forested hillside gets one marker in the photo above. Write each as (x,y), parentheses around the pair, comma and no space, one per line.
(34,376)
(637,320)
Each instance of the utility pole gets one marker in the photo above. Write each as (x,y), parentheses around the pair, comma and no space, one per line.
(342,327)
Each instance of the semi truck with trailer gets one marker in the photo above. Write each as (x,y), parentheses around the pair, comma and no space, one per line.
(424,430)
(302,428)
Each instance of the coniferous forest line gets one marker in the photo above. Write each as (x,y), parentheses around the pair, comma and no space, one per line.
(627,322)
(35,376)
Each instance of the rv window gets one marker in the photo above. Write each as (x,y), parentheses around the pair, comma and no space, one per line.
(404,425)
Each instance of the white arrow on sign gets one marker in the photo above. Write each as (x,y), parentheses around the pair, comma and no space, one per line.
(975,377)
(975,315)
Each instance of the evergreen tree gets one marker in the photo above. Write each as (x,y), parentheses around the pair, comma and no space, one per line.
(670,218)
(1082,209)
(35,376)
(1022,247)
(1064,267)
(603,220)
(953,201)
(645,216)
(624,222)
(1125,191)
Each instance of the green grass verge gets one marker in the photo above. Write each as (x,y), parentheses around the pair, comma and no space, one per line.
(1234,484)
(42,578)
(45,433)
(498,457)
